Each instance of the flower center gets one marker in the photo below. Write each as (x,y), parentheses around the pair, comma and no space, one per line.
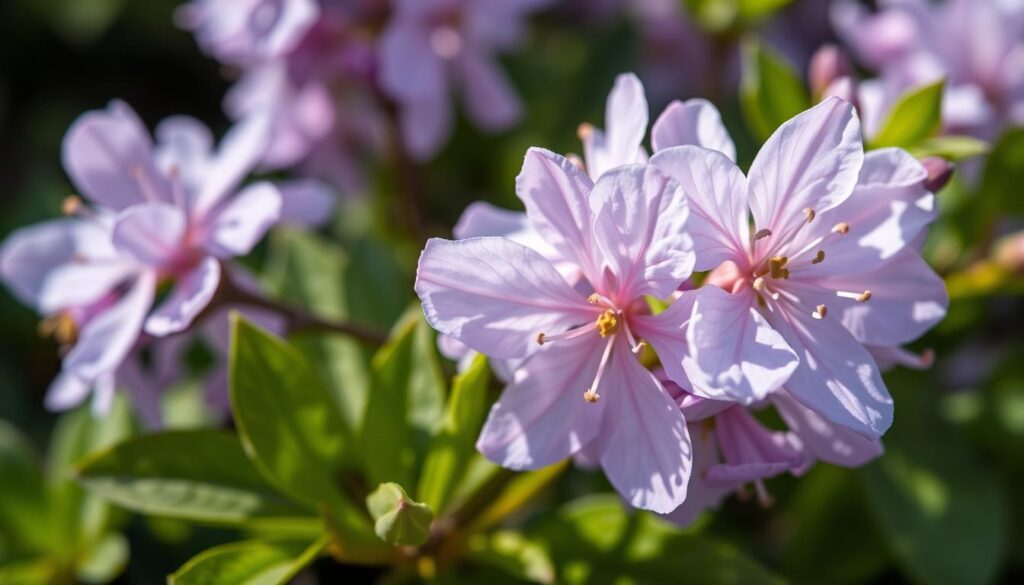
(608,323)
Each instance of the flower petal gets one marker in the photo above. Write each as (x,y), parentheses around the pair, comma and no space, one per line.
(151,233)
(717,194)
(556,194)
(700,495)
(425,125)
(243,222)
(185,145)
(239,153)
(645,445)
(490,99)
(825,441)
(109,157)
(694,122)
(734,354)
(625,126)
(410,70)
(191,294)
(837,378)
(542,418)
(306,202)
(495,296)
(750,451)
(66,392)
(812,161)
(640,231)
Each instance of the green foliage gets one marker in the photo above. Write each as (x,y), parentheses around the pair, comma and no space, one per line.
(398,519)
(771,90)
(720,15)
(915,117)
(952,147)
(200,475)
(1004,175)
(252,562)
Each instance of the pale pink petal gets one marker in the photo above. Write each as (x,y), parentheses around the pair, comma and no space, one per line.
(410,70)
(490,99)
(109,157)
(240,151)
(824,440)
(66,392)
(888,358)
(191,294)
(556,194)
(542,418)
(641,233)
(694,122)
(751,452)
(836,378)
(152,233)
(734,354)
(625,127)
(717,193)
(306,202)
(425,125)
(495,296)
(666,333)
(700,495)
(184,146)
(811,162)
(107,338)
(242,223)
(645,445)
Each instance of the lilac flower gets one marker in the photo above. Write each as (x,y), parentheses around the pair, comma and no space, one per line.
(830,265)
(168,213)
(976,45)
(239,31)
(582,385)
(431,48)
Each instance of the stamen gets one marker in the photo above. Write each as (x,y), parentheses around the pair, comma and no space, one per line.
(543,338)
(763,497)
(758,283)
(819,257)
(777,267)
(71,205)
(635,347)
(841,228)
(584,131)
(61,326)
(860,297)
(599,299)
(762,234)
(809,214)
(820,311)
(591,394)
(864,297)
(608,323)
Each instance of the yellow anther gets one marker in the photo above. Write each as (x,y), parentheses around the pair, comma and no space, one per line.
(841,228)
(71,205)
(540,339)
(864,297)
(591,396)
(777,267)
(762,234)
(594,299)
(758,283)
(819,257)
(584,131)
(809,214)
(61,326)
(607,323)
(820,311)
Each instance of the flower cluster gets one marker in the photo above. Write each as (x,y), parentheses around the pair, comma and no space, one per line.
(809,280)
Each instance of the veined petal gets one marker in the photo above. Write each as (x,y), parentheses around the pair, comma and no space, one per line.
(241,223)
(734,354)
(542,418)
(239,153)
(107,338)
(666,333)
(109,156)
(645,445)
(556,194)
(700,495)
(151,233)
(625,126)
(184,144)
(694,122)
(837,378)
(191,294)
(750,451)
(496,296)
(481,219)
(811,162)
(825,441)
(640,230)
(717,194)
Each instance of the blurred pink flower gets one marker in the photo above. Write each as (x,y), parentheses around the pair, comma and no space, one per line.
(582,385)
(432,48)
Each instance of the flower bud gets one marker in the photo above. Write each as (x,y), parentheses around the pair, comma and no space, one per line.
(940,171)
(397,518)
(828,64)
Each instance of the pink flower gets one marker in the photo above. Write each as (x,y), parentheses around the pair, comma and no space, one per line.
(240,31)
(432,47)
(582,385)
(976,45)
(830,265)
(165,213)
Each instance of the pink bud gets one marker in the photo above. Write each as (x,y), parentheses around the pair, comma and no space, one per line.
(940,171)
(828,64)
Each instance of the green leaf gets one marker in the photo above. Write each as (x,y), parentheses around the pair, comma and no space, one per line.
(595,541)
(916,116)
(286,419)
(199,475)
(771,90)
(943,513)
(521,489)
(406,403)
(104,561)
(754,10)
(514,554)
(397,518)
(454,445)
(253,562)
(39,571)
(1004,175)
(953,148)
(24,512)
(713,15)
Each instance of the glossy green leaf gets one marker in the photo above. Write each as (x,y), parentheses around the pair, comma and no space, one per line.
(595,541)
(397,518)
(916,116)
(198,475)
(454,445)
(771,90)
(513,554)
(943,514)
(954,148)
(103,561)
(286,418)
(406,403)
(253,562)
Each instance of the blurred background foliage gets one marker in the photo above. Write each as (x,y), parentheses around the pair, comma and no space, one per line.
(940,507)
